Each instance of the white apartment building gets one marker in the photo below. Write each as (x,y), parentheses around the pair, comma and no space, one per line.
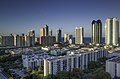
(74,59)
(113,67)
(34,59)
(57,51)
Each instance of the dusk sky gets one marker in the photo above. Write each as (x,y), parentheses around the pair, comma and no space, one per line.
(19,16)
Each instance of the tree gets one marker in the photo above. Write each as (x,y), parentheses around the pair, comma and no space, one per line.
(116,77)
(50,76)
(77,73)
(102,60)
(62,75)
(93,65)
(103,75)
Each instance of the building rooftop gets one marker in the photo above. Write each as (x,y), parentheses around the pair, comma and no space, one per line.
(117,60)
(62,57)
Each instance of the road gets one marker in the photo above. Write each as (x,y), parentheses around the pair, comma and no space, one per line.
(2,76)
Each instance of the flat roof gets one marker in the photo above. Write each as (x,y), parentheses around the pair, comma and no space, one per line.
(117,60)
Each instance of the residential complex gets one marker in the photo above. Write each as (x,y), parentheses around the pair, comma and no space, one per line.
(74,59)
(57,53)
(59,39)
(34,59)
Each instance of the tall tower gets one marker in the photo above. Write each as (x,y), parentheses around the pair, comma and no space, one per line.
(58,36)
(111,31)
(66,37)
(19,41)
(46,30)
(31,33)
(115,31)
(42,33)
(79,34)
(96,32)
(50,33)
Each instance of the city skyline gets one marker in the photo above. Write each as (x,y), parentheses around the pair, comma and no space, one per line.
(21,16)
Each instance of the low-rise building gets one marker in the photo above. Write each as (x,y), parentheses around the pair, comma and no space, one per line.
(75,59)
(113,67)
(34,59)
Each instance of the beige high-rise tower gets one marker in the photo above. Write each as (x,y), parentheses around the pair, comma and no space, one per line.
(79,34)
(44,31)
(111,31)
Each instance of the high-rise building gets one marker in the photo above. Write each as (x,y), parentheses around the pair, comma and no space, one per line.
(27,40)
(7,40)
(31,33)
(59,36)
(71,40)
(44,31)
(37,40)
(48,40)
(115,31)
(66,37)
(96,32)
(111,31)
(79,35)
(50,34)
(19,41)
